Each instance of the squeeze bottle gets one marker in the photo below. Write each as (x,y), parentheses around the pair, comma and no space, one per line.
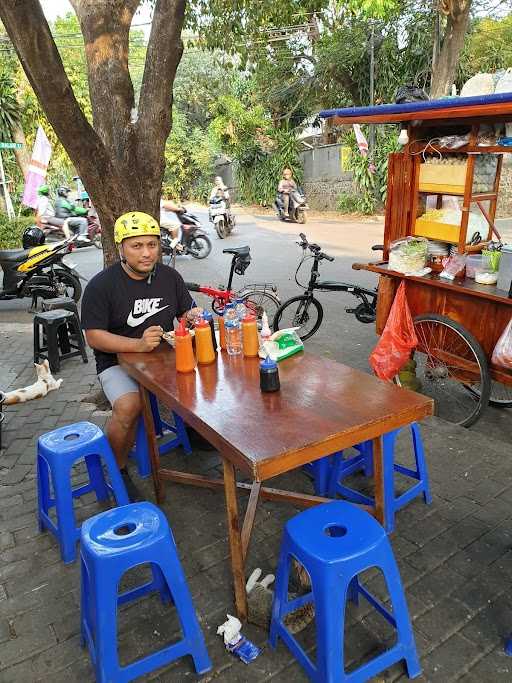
(269,375)
(250,341)
(222,331)
(204,346)
(208,317)
(185,361)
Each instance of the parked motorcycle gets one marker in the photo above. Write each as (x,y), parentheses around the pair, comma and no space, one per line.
(38,270)
(297,207)
(192,237)
(220,215)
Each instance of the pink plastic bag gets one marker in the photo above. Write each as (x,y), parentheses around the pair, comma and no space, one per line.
(502,354)
(397,341)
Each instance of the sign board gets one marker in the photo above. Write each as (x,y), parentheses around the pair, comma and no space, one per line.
(345,154)
(11,145)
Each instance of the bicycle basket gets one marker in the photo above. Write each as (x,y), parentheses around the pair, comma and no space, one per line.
(242,263)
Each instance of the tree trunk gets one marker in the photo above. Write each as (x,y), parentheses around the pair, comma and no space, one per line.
(120,158)
(445,69)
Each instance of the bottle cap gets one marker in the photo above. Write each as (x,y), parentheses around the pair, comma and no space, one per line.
(249,318)
(201,323)
(232,323)
(227,307)
(268,364)
(182,330)
(239,300)
(207,316)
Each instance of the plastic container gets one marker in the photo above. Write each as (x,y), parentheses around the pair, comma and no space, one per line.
(233,336)
(269,375)
(185,360)
(505,271)
(250,341)
(240,308)
(222,331)
(204,347)
(473,263)
(208,317)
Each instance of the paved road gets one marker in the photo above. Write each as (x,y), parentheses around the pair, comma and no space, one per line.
(275,256)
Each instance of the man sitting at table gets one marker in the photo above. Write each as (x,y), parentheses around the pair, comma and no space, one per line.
(127,307)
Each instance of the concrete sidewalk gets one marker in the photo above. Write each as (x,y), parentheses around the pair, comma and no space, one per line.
(455,557)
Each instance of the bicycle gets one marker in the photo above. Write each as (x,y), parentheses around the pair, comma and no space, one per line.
(258,297)
(305,308)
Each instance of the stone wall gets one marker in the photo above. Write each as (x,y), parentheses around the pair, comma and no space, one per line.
(322,195)
(505,197)
(324,177)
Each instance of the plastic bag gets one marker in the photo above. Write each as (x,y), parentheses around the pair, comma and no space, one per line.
(397,341)
(502,354)
(481,84)
(453,266)
(410,93)
(282,344)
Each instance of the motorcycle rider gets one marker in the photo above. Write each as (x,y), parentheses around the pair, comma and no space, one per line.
(286,186)
(45,213)
(219,190)
(127,307)
(65,209)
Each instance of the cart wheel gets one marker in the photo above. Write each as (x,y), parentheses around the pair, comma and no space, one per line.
(452,369)
(501,394)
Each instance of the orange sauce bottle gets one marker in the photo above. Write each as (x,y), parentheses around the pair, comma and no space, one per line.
(205,353)
(250,342)
(222,331)
(185,361)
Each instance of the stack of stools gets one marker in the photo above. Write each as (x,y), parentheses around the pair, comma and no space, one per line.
(61,337)
(162,428)
(335,542)
(112,543)
(57,452)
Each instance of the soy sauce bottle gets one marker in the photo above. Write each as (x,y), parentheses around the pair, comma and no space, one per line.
(269,375)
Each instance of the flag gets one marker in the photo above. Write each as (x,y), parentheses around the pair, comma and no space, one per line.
(37,169)
(362,142)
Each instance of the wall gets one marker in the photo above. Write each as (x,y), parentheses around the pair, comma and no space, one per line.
(505,196)
(324,178)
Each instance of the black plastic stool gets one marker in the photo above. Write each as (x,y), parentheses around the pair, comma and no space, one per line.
(62,337)
(65,303)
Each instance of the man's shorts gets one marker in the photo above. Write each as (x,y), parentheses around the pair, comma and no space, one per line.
(116,382)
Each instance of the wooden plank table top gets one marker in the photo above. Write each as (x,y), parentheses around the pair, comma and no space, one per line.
(322,407)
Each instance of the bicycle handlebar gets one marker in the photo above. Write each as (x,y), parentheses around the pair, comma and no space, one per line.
(313,248)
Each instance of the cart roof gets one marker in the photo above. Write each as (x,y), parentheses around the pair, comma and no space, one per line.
(480,108)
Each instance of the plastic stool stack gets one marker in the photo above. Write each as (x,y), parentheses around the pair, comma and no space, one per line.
(61,337)
(57,452)
(335,542)
(112,543)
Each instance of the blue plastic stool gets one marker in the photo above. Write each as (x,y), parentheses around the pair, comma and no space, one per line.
(112,543)
(335,542)
(342,468)
(320,470)
(141,452)
(508,646)
(57,452)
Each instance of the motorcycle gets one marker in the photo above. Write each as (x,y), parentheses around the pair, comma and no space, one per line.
(192,237)
(39,272)
(221,217)
(52,228)
(297,207)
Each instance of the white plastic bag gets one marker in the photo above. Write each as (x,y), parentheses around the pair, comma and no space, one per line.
(502,354)
(481,84)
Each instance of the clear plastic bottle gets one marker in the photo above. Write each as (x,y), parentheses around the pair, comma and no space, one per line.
(233,336)
(241,309)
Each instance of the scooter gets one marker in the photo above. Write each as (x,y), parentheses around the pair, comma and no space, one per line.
(39,272)
(220,215)
(192,236)
(296,210)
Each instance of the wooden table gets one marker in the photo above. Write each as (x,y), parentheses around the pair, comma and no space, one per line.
(322,407)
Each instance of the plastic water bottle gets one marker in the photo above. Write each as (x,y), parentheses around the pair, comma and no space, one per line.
(233,328)
(241,309)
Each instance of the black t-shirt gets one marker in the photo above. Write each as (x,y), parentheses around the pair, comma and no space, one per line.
(115,302)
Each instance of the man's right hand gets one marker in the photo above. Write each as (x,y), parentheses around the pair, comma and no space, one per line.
(151,338)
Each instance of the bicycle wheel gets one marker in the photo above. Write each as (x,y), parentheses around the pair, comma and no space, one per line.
(452,368)
(304,312)
(259,300)
(501,394)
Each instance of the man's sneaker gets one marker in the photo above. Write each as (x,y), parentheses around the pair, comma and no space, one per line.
(133,492)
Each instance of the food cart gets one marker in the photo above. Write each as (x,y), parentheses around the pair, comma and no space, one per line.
(457,322)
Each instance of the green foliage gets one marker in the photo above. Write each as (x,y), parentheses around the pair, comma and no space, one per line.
(10,111)
(11,231)
(488,48)
(349,203)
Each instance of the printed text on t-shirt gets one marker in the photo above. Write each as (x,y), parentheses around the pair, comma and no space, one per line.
(144,309)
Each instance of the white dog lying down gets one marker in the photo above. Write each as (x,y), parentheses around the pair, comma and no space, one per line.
(45,383)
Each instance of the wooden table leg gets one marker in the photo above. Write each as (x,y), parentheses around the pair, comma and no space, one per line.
(235,540)
(154,453)
(378,473)
(250,514)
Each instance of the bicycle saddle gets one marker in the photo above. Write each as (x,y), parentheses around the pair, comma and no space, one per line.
(238,251)
(14,255)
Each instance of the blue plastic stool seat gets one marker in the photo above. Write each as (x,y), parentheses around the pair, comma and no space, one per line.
(342,468)
(335,542)
(57,452)
(162,428)
(112,543)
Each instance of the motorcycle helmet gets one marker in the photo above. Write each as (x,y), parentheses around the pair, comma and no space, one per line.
(32,237)
(135,224)
(63,191)
(43,190)
(84,196)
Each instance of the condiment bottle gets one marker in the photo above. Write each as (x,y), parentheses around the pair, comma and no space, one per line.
(250,341)
(209,319)
(266,332)
(222,330)
(204,347)
(269,375)
(185,361)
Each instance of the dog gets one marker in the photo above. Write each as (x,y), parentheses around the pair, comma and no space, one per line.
(45,383)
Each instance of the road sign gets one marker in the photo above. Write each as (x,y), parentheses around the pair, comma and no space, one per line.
(11,145)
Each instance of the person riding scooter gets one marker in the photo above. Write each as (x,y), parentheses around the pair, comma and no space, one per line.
(45,213)
(68,211)
(286,186)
